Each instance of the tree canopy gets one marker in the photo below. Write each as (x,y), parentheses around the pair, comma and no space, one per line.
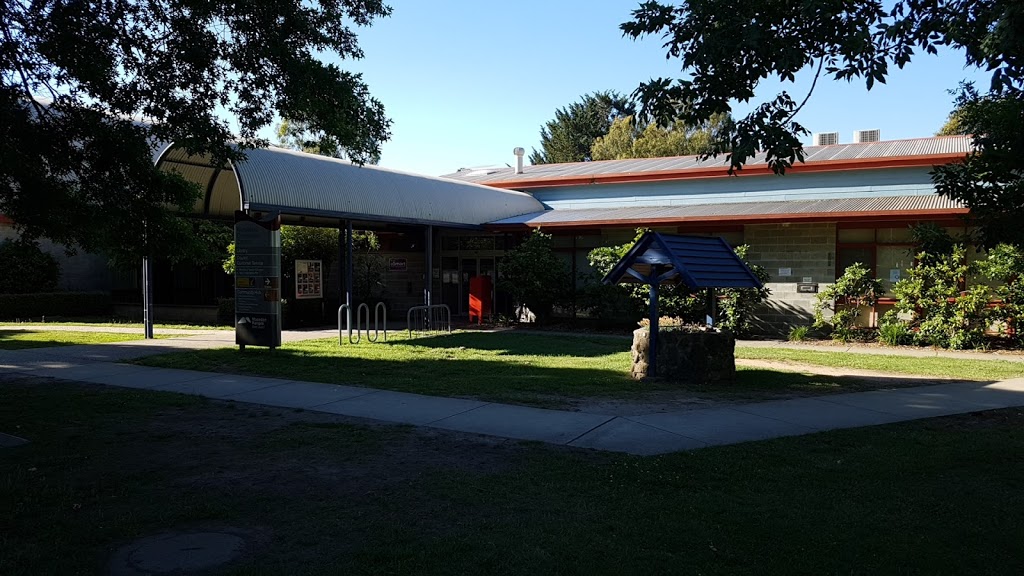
(727,47)
(625,140)
(87,89)
(571,134)
(296,135)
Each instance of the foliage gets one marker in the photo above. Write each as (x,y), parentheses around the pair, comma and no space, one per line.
(855,288)
(536,277)
(893,331)
(297,135)
(798,333)
(76,165)
(673,300)
(990,180)
(53,304)
(735,306)
(726,49)
(1004,265)
(26,268)
(945,313)
(625,140)
(954,125)
(571,134)
(308,243)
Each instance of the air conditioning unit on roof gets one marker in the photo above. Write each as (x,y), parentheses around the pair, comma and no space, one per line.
(864,136)
(826,138)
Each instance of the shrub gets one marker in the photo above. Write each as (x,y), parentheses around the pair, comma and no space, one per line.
(54,304)
(735,305)
(26,268)
(945,314)
(798,333)
(855,288)
(1004,265)
(536,277)
(226,311)
(894,332)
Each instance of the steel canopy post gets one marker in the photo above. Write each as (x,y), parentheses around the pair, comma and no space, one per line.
(147,297)
(428,276)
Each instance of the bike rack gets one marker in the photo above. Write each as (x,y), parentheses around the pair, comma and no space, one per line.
(379,310)
(430,319)
(376,320)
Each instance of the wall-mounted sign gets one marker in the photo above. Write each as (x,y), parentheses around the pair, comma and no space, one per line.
(785,272)
(309,279)
(894,275)
(807,288)
(257,281)
(398,264)
(808,279)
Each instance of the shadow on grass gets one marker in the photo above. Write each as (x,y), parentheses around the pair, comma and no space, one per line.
(800,382)
(521,344)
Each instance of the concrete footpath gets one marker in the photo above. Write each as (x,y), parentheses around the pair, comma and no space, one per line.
(646,434)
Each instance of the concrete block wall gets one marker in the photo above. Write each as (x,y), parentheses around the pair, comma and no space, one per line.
(79,272)
(808,251)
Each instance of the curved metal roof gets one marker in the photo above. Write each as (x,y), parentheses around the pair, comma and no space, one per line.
(307,185)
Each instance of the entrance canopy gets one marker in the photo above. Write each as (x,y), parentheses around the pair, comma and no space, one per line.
(316,190)
(696,261)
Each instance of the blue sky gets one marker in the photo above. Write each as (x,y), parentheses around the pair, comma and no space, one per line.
(465,82)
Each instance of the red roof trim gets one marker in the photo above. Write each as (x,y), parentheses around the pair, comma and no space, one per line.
(928,160)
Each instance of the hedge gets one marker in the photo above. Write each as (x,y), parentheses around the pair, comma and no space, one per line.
(54,304)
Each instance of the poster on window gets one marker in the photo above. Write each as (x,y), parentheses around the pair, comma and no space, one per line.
(309,279)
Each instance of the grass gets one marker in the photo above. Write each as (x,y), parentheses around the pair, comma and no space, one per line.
(534,369)
(114,323)
(322,496)
(966,369)
(22,339)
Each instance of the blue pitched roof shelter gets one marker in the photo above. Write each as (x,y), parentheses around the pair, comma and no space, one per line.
(696,261)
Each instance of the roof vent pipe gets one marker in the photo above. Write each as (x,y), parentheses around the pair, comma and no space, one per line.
(519,152)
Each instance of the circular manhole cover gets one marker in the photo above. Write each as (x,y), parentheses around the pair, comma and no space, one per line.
(177,553)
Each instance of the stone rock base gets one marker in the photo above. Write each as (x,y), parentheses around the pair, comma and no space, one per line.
(689,357)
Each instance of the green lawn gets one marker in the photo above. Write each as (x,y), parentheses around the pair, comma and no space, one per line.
(107,323)
(535,369)
(930,366)
(21,339)
(321,496)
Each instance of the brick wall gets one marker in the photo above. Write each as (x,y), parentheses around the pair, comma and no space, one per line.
(809,251)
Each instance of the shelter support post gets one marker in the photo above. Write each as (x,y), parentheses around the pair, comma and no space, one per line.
(428,276)
(349,266)
(652,358)
(712,306)
(147,297)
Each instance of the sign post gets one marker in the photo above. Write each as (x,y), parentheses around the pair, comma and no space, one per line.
(257,281)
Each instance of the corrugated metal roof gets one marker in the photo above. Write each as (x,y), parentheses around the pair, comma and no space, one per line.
(893,204)
(275,179)
(696,261)
(923,147)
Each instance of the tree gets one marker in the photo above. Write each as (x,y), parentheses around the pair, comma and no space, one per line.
(76,77)
(727,47)
(569,137)
(27,269)
(624,140)
(536,277)
(296,135)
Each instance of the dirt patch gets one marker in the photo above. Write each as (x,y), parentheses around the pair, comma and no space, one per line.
(884,378)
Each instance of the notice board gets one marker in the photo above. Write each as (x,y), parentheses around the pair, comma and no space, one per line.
(309,279)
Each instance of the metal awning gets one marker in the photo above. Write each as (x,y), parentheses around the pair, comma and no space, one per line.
(696,261)
(312,189)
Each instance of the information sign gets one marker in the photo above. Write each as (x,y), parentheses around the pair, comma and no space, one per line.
(257,281)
